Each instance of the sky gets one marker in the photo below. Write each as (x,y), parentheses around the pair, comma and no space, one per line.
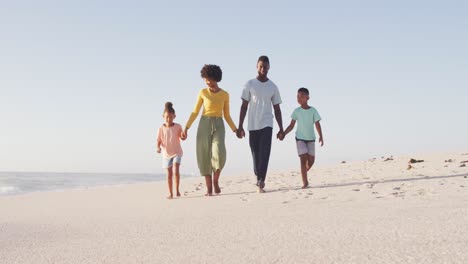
(83,83)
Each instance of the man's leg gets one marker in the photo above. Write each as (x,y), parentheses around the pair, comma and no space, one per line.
(264,153)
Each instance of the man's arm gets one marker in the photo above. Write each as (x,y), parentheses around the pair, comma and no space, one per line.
(319,131)
(279,120)
(243,111)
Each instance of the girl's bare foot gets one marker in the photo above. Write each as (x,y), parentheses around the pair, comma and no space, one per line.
(178,194)
(170,197)
(216,187)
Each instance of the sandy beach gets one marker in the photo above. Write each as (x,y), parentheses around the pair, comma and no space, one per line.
(375,211)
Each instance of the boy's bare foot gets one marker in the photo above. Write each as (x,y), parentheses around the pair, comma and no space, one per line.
(216,187)
(260,190)
(170,197)
(208,194)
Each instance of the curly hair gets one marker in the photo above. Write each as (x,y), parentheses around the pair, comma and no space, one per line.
(168,108)
(211,71)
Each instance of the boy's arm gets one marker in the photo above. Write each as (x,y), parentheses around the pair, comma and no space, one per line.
(243,111)
(319,131)
(289,128)
(279,120)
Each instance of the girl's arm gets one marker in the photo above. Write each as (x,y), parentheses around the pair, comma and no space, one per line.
(319,131)
(158,142)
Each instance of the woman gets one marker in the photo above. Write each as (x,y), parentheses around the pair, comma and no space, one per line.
(211,149)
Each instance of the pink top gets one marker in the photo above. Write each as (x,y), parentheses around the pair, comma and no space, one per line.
(170,140)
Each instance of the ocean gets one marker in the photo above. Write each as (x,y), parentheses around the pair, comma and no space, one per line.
(13,183)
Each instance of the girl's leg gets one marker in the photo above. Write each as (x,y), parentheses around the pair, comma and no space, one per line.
(216,181)
(303,159)
(169,182)
(209,185)
(177,177)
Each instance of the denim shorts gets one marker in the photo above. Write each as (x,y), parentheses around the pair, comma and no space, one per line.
(168,162)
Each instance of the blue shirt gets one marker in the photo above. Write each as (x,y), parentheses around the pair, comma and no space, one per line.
(305,119)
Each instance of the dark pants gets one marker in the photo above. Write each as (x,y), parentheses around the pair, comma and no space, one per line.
(260,145)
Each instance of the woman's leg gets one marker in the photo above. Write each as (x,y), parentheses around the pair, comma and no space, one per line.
(218,150)
(209,185)
(216,175)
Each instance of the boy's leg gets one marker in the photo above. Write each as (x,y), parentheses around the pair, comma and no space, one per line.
(169,181)
(311,155)
(177,177)
(310,161)
(303,158)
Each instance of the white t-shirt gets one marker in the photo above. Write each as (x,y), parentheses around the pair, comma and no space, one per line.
(261,97)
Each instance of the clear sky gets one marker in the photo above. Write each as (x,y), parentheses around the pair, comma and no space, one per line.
(83,83)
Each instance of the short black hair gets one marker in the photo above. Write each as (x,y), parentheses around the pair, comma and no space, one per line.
(264,59)
(211,71)
(303,90)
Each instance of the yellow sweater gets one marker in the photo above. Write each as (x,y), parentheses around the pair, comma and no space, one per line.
(214,104)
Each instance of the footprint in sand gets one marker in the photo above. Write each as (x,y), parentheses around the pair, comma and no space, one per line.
(356,190)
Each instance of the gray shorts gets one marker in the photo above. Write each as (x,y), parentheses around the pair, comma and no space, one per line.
(305,147)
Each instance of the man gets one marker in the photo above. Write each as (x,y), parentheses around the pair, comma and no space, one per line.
(258,96)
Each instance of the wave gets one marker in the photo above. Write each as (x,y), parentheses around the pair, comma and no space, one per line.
(4,190)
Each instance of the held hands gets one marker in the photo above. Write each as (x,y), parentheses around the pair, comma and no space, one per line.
(280,135)
(240,133)
(184,134)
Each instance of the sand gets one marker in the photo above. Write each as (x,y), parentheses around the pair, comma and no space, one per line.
(371,211)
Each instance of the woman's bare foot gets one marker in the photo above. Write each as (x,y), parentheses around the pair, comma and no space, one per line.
(216,187)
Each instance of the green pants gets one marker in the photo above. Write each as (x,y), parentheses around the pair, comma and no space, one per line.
(211,150)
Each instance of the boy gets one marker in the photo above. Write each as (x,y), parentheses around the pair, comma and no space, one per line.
(306,116)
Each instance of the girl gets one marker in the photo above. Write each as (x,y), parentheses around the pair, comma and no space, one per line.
(211,150)
(169,135)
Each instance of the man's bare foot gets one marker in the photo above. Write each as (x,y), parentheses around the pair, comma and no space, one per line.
(260,190)
(216,187)
(170,197)
(178,194)
(208,194)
